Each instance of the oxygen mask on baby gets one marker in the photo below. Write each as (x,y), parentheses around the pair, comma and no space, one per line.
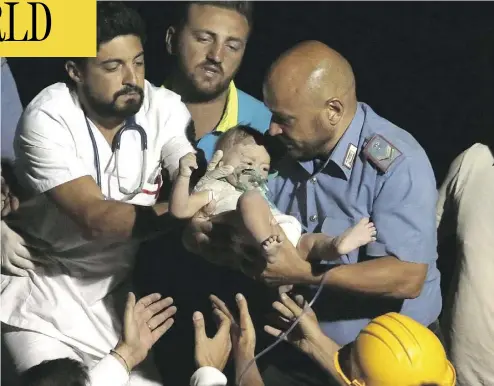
(249,178)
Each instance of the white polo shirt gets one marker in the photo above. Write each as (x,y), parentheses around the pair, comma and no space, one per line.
(68,299)
(466,208)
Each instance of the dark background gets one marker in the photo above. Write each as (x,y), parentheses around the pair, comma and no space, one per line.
(428,67)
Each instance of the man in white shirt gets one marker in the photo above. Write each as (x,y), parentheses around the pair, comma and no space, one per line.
(465,210)
(88,201)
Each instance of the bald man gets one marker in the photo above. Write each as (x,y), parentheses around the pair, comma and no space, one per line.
(344,162)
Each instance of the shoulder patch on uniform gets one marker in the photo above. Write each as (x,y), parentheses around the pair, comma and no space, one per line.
(381,152)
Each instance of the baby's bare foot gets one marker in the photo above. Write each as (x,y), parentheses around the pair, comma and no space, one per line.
(270,247)
(364,232)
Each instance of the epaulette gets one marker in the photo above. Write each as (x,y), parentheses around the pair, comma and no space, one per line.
(381,152)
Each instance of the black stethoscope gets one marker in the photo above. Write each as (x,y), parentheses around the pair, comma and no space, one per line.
(129,125)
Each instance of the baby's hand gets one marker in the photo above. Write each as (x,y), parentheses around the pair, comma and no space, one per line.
(188,163)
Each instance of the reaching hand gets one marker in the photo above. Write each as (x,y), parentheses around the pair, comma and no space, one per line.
(213,171)
(242,332)
(215,351)
(16,258)
(243,341)
(187,164)
(307,333)
(144,323)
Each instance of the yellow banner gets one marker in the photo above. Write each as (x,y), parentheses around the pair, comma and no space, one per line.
(48,28)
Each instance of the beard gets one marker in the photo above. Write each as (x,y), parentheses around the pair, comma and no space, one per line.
(308,151)
(195,90)
(207,94)
(112,109)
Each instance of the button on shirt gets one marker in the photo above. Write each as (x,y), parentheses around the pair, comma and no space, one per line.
(401,202)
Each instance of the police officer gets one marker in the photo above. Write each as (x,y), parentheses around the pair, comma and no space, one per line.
(344,162)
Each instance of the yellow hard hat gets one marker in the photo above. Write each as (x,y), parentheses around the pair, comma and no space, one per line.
(395,350)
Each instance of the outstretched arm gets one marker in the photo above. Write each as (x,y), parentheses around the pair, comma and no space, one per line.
(307,335)
(145,321)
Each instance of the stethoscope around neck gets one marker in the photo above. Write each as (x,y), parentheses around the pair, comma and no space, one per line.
(130,124)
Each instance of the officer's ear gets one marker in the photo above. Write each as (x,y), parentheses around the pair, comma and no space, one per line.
(334,110)
(170,39)
(74,71)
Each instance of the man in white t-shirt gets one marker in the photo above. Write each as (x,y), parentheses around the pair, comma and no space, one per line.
(89,201)
(465,210)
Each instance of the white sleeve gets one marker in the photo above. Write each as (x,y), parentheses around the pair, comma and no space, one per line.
(208,376)
(45,152)
(172,151)
(178,145)
(445,208)
(108,372)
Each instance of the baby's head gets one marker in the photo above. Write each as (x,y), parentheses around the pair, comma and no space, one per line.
(244,148)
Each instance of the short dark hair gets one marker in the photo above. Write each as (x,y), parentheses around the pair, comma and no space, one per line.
(236,135)
(56,372)
(244,8)
(114,18)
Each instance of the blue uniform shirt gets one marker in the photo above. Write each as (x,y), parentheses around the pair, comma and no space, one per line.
(400,201)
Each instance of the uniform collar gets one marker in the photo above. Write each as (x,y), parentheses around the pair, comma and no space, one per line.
(348,142)
(229,118)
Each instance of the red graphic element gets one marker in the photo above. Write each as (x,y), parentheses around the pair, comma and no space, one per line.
(159,182)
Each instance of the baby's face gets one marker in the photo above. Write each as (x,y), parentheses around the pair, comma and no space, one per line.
(244,156)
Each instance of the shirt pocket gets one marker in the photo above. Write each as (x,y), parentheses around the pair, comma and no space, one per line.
(334,226)
(125,171)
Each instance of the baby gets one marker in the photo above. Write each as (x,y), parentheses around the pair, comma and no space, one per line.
(245,190)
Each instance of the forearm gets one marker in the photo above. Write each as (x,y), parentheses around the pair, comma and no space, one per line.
(121,221)
(385,276)
(179,198)
(323,352)
(252,376)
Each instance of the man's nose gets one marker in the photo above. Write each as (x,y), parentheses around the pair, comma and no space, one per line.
(216,53)
(274,129)
(129,76)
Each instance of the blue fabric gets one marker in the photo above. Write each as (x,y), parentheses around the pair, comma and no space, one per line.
(401,202)
(250,111)
(11,110)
